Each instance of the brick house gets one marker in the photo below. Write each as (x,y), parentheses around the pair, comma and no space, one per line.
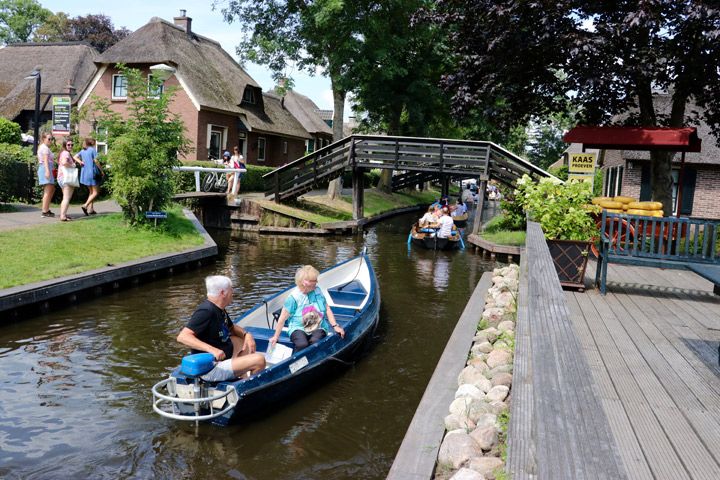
(61,65)
(627,172)
(220,104)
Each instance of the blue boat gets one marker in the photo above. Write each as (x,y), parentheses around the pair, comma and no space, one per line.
(351,291)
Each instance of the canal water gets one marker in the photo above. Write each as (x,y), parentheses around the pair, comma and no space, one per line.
(75,384)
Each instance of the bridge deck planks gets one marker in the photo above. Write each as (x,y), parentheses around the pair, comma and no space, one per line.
(652,349)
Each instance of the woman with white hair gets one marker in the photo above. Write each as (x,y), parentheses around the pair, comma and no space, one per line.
(311,319)
(211,330)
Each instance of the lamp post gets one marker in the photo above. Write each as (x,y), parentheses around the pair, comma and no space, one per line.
(38,82)
(162,71)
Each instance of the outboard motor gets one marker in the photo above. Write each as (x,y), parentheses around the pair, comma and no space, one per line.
(195,366)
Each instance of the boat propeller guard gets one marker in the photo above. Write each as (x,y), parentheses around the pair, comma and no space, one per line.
(189,407)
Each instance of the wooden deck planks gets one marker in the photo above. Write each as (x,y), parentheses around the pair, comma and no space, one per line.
(652,346)
(572,436)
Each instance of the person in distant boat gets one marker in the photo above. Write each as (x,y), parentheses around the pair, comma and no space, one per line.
(306,300)
(211,330)
(460,208)
(429,217)
(446,224)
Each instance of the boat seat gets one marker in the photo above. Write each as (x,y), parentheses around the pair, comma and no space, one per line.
(197,364)
(349,295)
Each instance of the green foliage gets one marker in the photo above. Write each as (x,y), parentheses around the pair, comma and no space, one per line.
(546,144)
(17,175)
(506,237)
(19,18)
(598,182)
(10,132)
(370,178)
(482,325)
(561,172)
(143,148)
(562,209)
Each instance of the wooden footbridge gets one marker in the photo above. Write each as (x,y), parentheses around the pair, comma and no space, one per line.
(413,160)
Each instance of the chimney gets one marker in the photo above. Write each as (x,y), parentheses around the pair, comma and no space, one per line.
(184,22)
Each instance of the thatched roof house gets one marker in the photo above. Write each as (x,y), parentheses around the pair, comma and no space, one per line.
(221,105)
(61,65)
(308,114)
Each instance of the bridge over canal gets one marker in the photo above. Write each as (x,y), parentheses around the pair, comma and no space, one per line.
(414,160)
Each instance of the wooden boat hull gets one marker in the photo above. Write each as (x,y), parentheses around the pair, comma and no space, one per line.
(461,220)
(431,241)
(357,312)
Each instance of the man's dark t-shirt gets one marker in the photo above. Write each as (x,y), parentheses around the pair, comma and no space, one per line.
(212,325)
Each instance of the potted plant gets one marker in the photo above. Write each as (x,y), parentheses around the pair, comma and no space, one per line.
(565,215)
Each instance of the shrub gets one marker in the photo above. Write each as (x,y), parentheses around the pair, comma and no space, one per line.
(9,132)
(17,174)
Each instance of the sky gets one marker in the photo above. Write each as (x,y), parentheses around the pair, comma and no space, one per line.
(133,14)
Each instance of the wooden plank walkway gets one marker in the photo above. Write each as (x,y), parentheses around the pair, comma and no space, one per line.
(652,348)
(557,426)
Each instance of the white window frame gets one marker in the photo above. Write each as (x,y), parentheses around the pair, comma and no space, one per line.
(262,147)
(115,77)
(101,145)
(616,188)
(223,131)
(285,147)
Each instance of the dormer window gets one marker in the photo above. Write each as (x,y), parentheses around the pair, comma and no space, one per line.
(249,95)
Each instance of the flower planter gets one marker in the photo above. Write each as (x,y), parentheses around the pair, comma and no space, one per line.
(570,258)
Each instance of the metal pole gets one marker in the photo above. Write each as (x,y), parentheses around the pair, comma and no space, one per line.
(36,133)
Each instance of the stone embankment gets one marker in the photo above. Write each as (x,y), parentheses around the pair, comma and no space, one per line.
(474,444)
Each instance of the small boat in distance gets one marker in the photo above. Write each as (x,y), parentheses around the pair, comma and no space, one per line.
(426,237)
(351,290)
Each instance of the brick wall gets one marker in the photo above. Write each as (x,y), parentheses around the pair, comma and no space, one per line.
(632,178)
(706,203)
(275,155)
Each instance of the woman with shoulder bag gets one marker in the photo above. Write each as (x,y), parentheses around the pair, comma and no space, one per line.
(46,165)
(87,157)
(67,177)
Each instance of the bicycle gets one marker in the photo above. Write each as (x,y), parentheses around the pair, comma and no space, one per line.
(214,182)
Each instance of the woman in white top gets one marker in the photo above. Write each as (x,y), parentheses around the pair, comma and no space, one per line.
(429,217)
(46,165)
(65,159)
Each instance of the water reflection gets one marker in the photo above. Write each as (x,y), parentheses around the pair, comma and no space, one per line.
(74,384)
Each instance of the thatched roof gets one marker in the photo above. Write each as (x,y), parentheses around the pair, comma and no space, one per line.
(215,80)
(60,64)
(274,118)
(307,113)
(710,153)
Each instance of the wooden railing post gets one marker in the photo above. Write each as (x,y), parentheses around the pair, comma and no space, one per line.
(277,187)
(477,223)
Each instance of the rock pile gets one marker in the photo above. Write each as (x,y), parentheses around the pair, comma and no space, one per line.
(477,422)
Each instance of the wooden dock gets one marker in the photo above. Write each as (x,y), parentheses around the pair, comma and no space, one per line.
(621,386)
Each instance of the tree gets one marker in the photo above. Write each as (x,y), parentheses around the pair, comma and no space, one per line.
(143,147)
(97,30)
(309,35)
(521,59)
(19,18)
(546,143)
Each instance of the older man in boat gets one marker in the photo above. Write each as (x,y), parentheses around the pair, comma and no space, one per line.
(211,330)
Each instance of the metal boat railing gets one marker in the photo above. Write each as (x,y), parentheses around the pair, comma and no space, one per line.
(160,399)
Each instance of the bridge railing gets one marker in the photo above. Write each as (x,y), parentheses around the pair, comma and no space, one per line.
(197,170)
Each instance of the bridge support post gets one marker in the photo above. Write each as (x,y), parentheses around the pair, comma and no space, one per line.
(445,186)
(477,223)
(358,197)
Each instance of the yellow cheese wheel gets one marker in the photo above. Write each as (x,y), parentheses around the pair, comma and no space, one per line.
(624,199)
(625,206)
(645,205)
(597,200)
(647,213)
(614,210)
(610,204)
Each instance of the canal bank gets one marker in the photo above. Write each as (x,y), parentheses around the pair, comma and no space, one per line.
(80,377)
(32,299)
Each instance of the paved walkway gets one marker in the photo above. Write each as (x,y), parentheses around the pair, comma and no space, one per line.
(29,215)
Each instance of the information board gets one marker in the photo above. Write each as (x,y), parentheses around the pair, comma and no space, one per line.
(581,163)
(61,116)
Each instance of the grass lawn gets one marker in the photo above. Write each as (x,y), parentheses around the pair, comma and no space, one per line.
(59,249)
(505,237)
(377,202)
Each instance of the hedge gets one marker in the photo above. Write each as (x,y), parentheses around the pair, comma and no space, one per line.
(17,174)
(252,181)
(9,132)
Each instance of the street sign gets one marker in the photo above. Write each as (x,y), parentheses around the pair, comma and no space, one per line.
(587,179)
(581,163)
(61,116)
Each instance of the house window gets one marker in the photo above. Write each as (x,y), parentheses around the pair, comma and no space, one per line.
(249,95)
(285,148)
(157,91)
(119,87)
(101,135)
(613,181)
(309,146)
(261,149)
(216,141)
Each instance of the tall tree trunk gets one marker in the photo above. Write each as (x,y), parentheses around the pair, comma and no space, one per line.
(661,176)
(385,182)
(335,186)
